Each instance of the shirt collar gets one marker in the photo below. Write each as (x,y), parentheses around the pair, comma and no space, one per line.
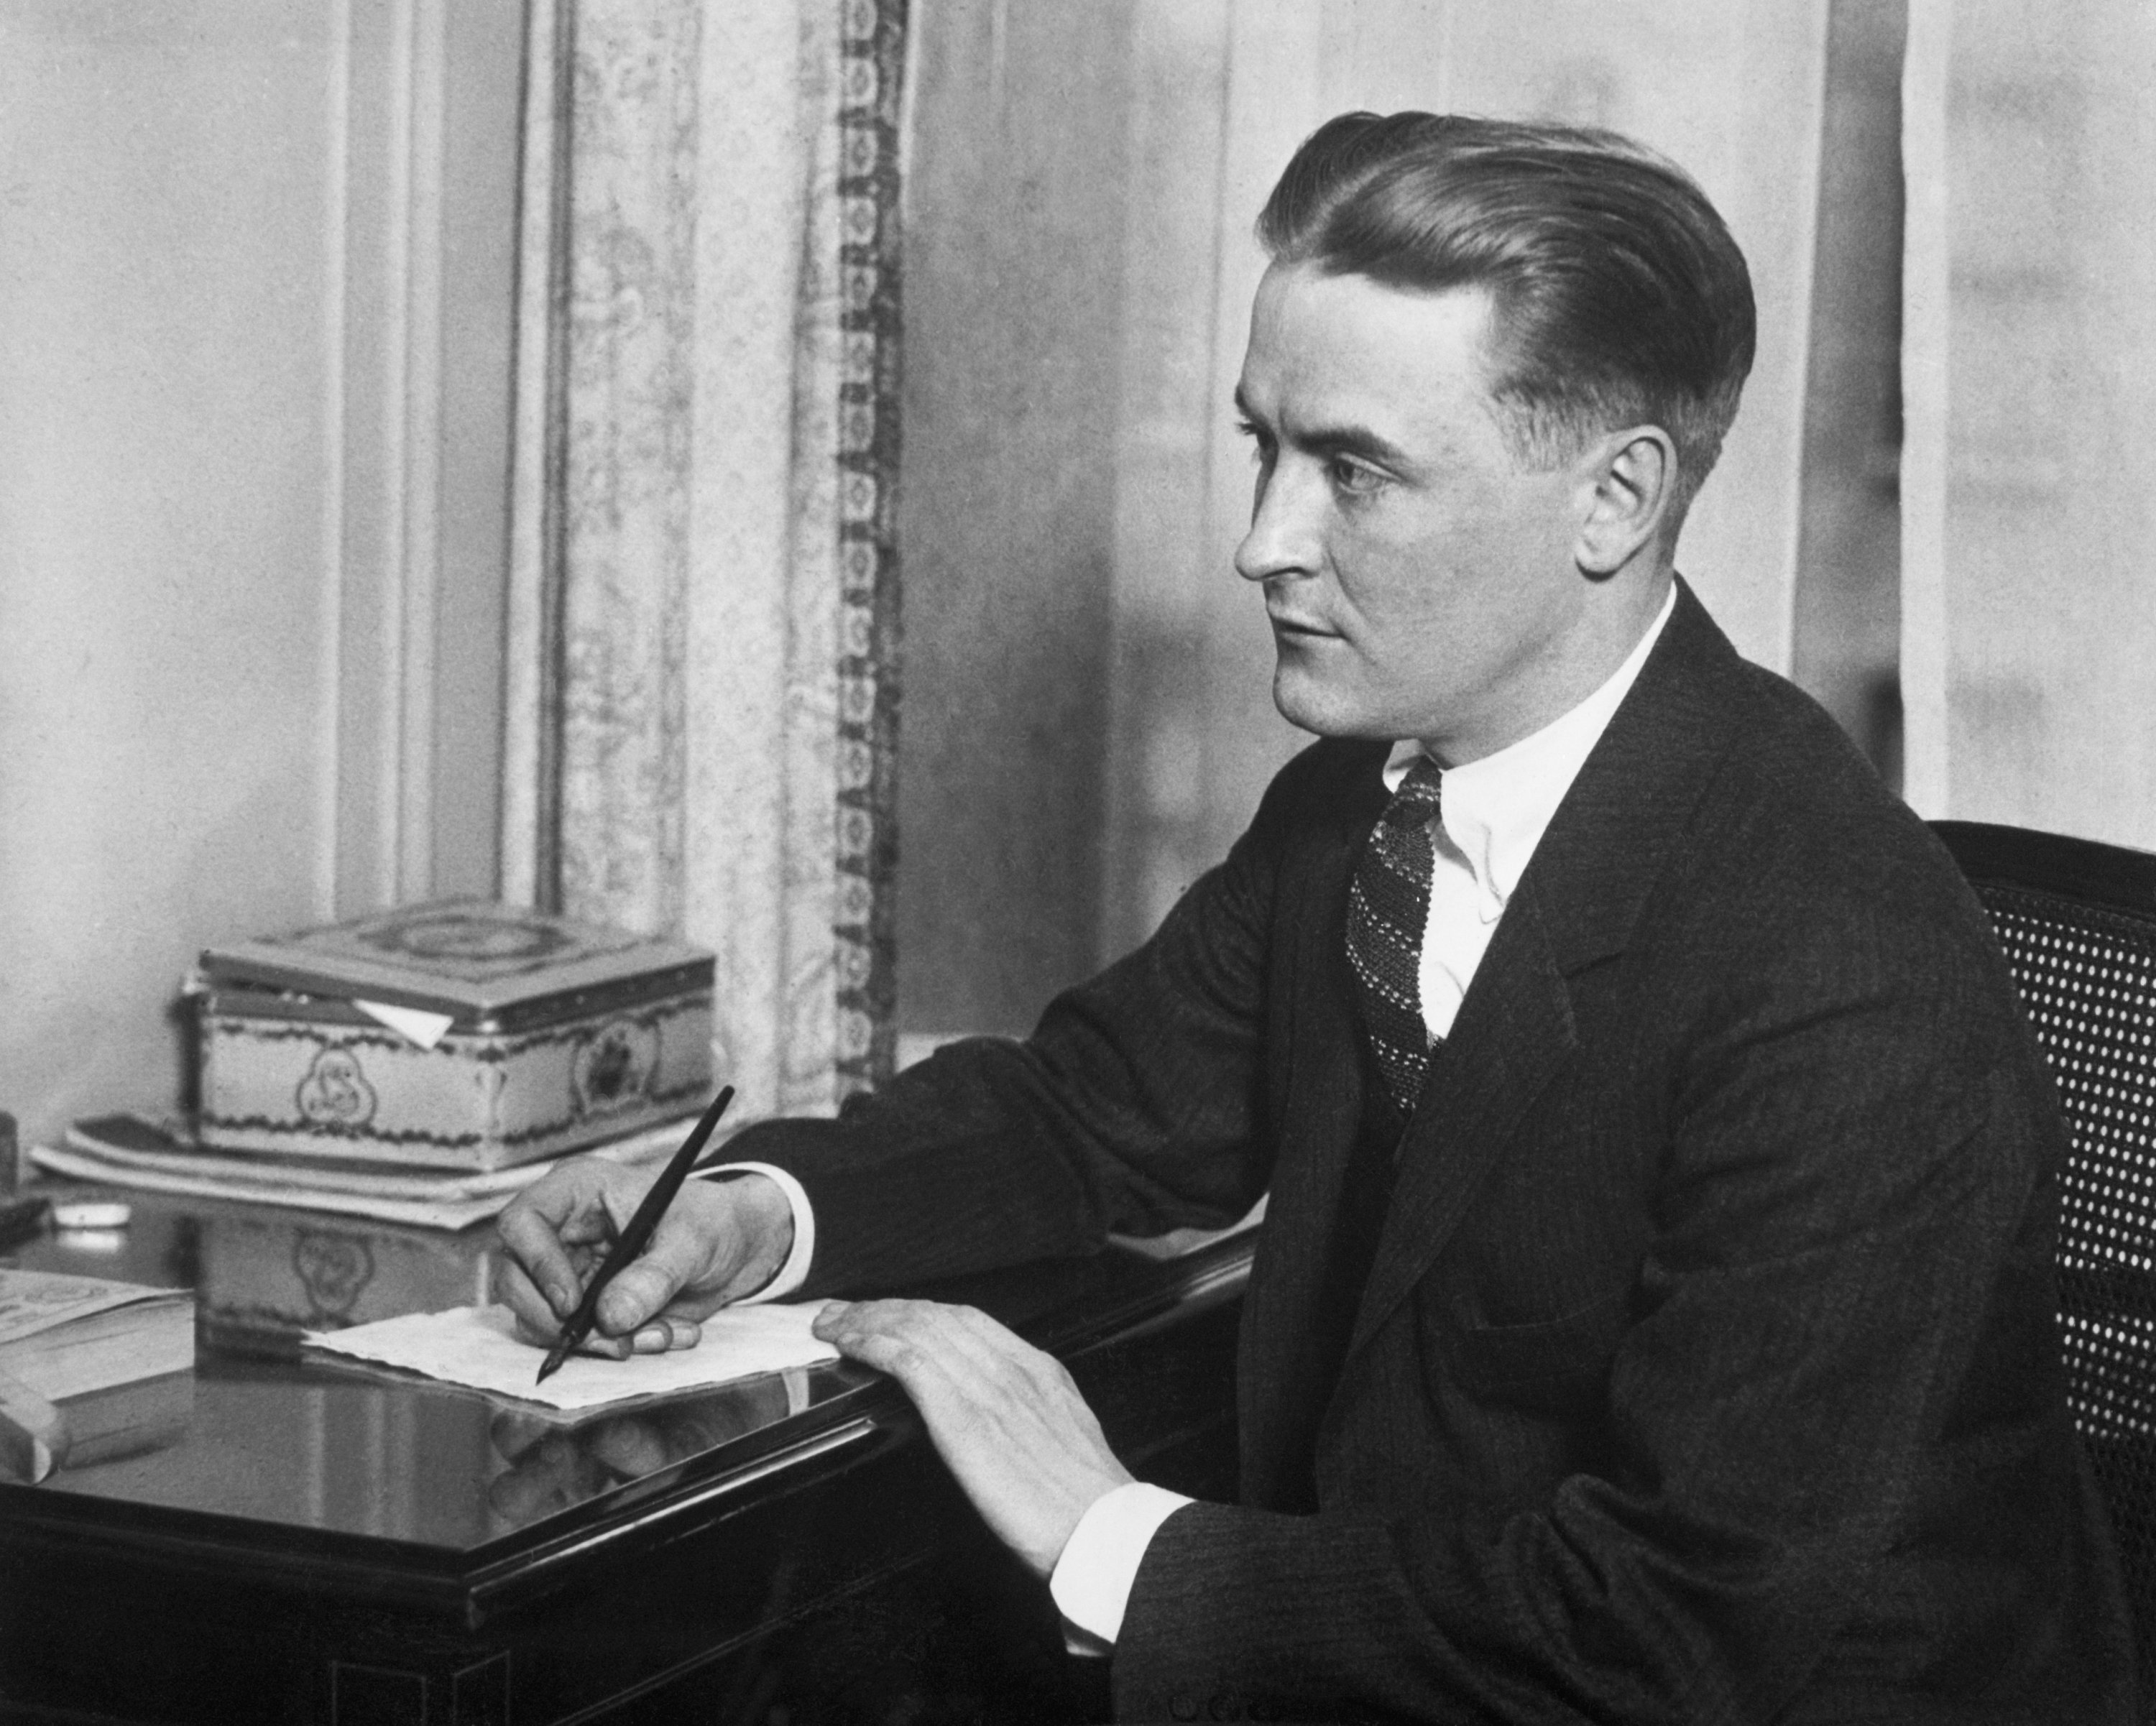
(1495,811)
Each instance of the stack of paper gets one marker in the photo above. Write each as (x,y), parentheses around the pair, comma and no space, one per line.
(128,1151)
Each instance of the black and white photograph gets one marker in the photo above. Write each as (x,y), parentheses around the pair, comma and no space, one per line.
(1029,863)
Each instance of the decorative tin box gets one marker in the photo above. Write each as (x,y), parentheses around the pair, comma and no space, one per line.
(458,1035)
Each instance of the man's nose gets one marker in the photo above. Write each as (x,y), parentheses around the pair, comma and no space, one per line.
(1285,537)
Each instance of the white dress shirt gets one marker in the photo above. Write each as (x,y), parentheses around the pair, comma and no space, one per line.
(1492,813)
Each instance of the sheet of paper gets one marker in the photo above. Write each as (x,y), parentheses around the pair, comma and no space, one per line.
(477,1347)
(414,1024)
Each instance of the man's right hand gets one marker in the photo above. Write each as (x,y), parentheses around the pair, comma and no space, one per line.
(719,1241)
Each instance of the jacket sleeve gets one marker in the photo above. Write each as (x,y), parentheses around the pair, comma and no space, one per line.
(1848,1276)
(1134,1107)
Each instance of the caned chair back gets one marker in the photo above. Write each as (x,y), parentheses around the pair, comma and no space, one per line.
(2077,921)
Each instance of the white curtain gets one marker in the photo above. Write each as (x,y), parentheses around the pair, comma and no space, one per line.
(704,586)
(2028,609)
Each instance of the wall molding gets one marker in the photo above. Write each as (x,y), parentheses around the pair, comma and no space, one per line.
(420,428)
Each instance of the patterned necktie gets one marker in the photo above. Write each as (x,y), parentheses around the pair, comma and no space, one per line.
(1388,906)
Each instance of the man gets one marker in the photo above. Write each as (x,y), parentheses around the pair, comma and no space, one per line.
(1653,1317)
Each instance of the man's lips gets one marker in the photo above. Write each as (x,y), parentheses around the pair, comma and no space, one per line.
(1297,626)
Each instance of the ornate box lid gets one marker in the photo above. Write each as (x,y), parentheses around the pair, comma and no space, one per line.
(486,964)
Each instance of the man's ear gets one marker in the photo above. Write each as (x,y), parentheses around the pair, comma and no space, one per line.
(1628,482)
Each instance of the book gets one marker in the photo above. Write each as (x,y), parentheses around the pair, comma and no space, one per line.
(127,1419)
(69,1337)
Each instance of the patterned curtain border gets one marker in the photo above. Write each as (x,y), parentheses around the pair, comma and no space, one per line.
(872,75)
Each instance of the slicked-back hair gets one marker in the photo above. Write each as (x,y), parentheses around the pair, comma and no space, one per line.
(1619,298)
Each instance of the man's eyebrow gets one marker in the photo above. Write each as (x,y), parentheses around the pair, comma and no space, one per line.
(1349,440)
(1352,439)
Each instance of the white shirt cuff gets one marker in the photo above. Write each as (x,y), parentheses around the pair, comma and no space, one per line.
(795,1271)
(1092,1580)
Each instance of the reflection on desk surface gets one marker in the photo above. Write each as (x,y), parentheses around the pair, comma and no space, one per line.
(272,1441)
(308,1448)
(544,1467)
(263,1276)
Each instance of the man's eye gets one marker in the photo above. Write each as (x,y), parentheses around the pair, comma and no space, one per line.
(1261,446)
(1351,478)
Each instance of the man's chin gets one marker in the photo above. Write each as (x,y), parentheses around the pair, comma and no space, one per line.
(1307,705)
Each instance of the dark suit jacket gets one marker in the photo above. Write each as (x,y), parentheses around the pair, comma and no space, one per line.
(1707,1368)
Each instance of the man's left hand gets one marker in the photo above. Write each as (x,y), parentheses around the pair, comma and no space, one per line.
(1004,1416)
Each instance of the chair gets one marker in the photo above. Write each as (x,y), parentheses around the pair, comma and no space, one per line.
(2077,921)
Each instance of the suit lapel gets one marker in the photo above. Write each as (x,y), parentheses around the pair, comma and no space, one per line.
(1320,1113)
(1579,901)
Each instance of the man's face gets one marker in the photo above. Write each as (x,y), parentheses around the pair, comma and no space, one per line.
(1421,583)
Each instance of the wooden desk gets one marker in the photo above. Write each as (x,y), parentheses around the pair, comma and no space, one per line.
(320,1547)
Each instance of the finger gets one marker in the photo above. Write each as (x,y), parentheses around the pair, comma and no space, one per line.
(634,1298)
(609,1348)
(990,1340)
(525,1493)
(536,1321)
(544,1480)
(975,1330)
(710,1422)
(630,1448)
(917,1344)
(513,1433)
(581,1473)
(536,1250)
(919,1319)
(576,1199)
(966,1342)
(665,1332)
(677,1254)
(623,1195)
